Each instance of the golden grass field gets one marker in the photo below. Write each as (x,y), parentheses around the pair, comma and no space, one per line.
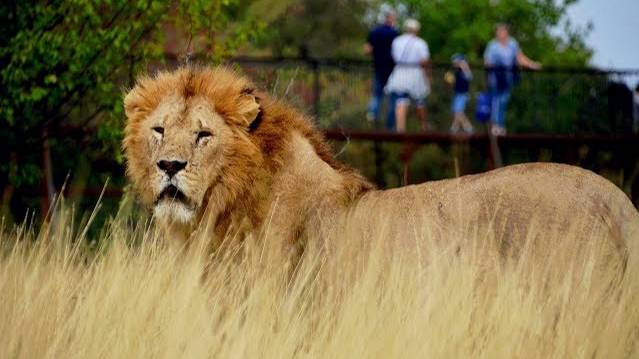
(135,297)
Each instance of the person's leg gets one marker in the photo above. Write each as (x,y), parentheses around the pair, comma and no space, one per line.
(401,109)
(465,122)
(390,116)
(494,113)
(458,108)
(505,98)
(455,126)
(422,113)
(461,110)
(390,112)
(376,100)
(494,108)
(498,113)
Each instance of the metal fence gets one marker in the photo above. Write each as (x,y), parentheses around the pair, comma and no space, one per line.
(553,100)
(577,116)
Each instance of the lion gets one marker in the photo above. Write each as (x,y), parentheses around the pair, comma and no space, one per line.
(205,149)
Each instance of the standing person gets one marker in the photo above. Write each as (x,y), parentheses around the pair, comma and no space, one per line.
(378,45)
(502,56)
(408,80)
(462,78)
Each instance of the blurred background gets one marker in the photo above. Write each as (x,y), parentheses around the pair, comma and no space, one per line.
(64,66)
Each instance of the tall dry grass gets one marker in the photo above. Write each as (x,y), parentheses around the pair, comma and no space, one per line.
(133,296)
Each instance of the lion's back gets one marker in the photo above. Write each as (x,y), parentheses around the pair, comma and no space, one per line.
(509,204)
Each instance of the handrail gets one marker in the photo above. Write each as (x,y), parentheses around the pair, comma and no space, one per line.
(362,62)
(517,138)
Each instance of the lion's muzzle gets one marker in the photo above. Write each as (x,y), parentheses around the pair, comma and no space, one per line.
(172,193)
(171,167)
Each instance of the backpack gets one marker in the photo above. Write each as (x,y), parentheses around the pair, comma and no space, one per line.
(483,107)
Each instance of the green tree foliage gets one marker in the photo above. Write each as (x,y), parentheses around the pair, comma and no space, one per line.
(540,26)
(322,28)
(317,28)
(542,102)
(64,65)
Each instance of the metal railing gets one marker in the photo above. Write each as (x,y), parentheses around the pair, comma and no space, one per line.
(553,100)
(572,115)
(561,148)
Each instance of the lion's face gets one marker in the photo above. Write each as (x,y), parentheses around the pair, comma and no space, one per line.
(177,146)
(184,142)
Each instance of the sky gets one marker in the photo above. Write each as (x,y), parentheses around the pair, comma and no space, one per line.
(615,36)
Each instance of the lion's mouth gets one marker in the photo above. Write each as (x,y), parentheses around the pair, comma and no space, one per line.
(172,193)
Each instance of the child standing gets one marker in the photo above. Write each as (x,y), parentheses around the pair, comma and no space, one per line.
(463,76)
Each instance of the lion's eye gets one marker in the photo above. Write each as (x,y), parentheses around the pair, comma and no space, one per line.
(202,135)
(159,130)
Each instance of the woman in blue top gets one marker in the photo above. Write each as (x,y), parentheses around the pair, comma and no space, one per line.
(502,56)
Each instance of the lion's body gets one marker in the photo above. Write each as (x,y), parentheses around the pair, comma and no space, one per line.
(541,200)
(269,174)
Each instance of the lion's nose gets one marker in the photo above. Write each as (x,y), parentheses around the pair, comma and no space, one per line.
(171,167)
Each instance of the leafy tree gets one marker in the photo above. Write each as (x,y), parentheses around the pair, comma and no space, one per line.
(317,28)
(540,26)
(322,28)
(549,102)
(63,67)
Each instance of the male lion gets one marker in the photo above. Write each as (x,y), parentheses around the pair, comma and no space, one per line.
(204,149)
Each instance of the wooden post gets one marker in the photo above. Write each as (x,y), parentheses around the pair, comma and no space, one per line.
(9,188)
(408,149)
(316,88)
(379,161)
(494,158)
(48,188)
(571,154)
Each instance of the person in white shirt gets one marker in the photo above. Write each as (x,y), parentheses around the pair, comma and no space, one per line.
(408,80)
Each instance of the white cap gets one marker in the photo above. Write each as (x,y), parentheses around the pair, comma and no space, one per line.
(411,25)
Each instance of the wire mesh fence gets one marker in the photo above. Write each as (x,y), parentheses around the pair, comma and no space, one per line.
(592,109)
(579,116)
(554,100)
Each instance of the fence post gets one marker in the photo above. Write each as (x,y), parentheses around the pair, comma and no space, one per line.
(406,156)
(48,188)
(494,153)
(379,160)
(316,87)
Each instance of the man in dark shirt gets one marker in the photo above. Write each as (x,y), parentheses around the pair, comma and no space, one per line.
(378,45)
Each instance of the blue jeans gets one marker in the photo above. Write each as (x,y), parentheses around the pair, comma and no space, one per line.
(499,102)
(459,102)
(375,103)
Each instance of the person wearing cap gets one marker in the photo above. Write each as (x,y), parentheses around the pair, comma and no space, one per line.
(378,44)
(408,81)
(462,77)
(502,56)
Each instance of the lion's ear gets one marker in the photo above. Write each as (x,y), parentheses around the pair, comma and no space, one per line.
(131,103)
(250,107)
